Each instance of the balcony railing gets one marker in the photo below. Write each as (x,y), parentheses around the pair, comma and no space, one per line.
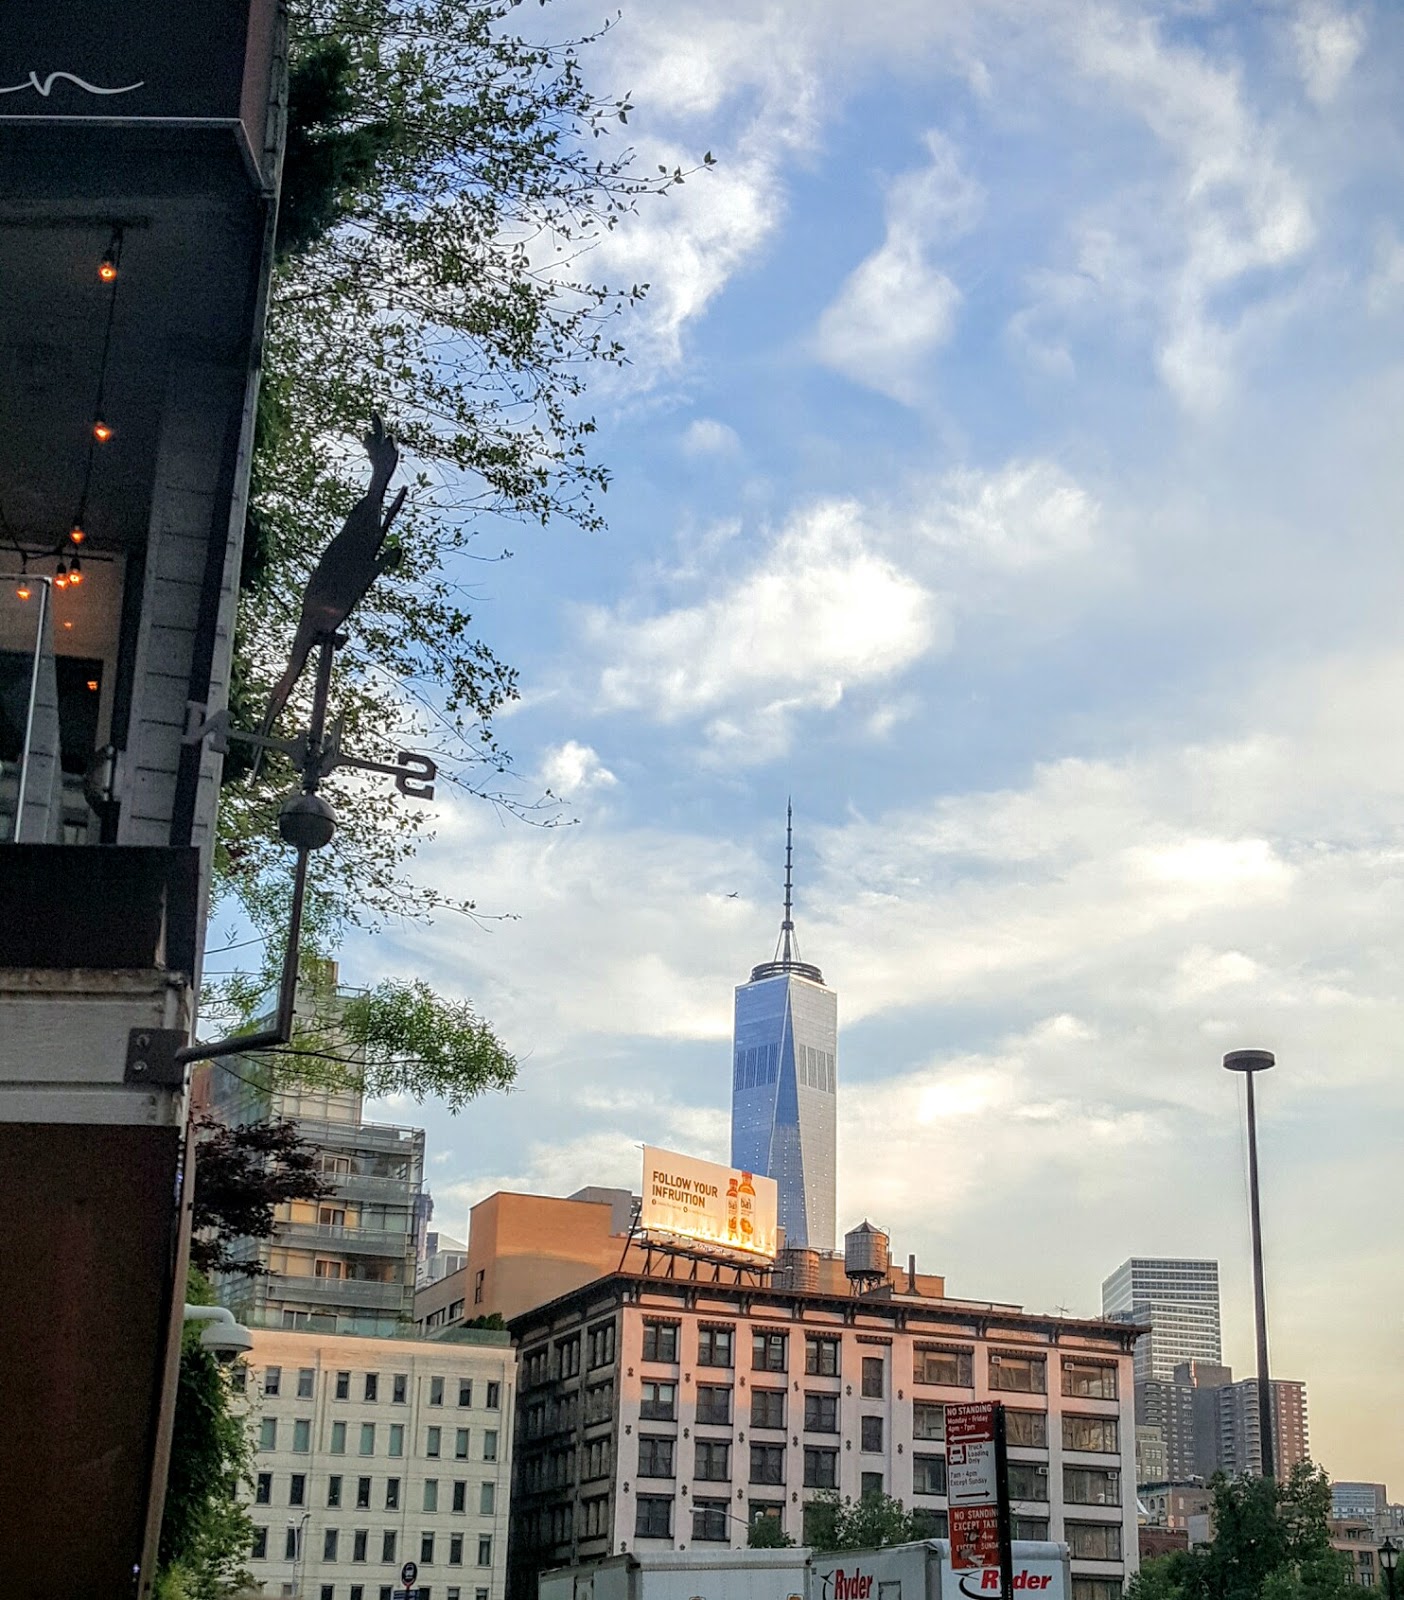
(371,1241)
(338,1291)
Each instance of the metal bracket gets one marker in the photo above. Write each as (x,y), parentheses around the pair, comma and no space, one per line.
(153,1058)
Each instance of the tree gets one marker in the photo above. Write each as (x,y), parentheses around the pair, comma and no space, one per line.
(1271,1542)
(205,1531)
(767,1533)
(241,1176)
(831,1523)
(443,179)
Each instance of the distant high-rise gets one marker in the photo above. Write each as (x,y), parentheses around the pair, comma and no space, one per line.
(1180,1301)
(784,1065)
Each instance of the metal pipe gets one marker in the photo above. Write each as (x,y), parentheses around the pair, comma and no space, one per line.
(33,703)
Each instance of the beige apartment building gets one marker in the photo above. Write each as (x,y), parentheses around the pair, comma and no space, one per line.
(372,1452)
(661,1412)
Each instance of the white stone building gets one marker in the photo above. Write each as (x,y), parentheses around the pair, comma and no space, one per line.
(374,1452)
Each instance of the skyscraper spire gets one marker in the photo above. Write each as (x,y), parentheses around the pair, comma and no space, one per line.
(787,951)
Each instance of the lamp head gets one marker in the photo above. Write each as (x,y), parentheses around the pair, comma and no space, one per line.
(1389,1555)
(1249,1060)
(227,1340)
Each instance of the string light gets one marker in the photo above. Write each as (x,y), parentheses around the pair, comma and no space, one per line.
(107,267)
(76,533)
(75,572)
(102,432)
(23,590)
(61,576)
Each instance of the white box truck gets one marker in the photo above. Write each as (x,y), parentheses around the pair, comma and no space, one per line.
(683,1575)
(923,1572)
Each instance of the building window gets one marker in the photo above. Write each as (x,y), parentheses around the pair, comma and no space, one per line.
(1027,1481)
(1028,1527)
(372,1390)
(1027,1429)
(952,1366)
(367,1438)
(929,1524)
(599,1401)
(928,1474)
(291,1540)
(465,1391)
(714,1404)
(392,1494)
(1096,1589)
(426,1549)
(709,1520)
(653,1517)
(490,1442)
(1089,1380)
(716,1347)
(263,1489)
(820,1413)
(820,1468)
(871,1434)
(455,1550)
(343,1385)
(1090,1433)
(387,1545)
(660,1341)
(713,1462)
(596,1515)
(306,1378)
(431,1494)
(485,1550)
(767,1408)
(363,1494)
(568,1357)
(659,1402)
(873,1388)
(821,1356)
(334,1490)
(297,1489)
(397,1438)
(487,1497)
(655,1457)
(1020,1373)
(869,1483)
(929,1420)
(1092,1486)
(272,1380)
(436,1391)
(757,1509)
(769,1351)
(594,1460)
(358,1544)
(460,1444)
(302,1436)
(259,1549)
(1093,1541)
(268,1433)
(478,1279)
(431,1441)
(460,1495)
(329,1538)
(768,1463)
(494,1393)
(328,1591)
(399,1388)
(601,1344)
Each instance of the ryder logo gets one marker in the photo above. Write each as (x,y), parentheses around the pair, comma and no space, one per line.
(980,1585)
(840,1585)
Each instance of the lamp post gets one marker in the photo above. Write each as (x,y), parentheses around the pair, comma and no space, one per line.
(1389,1556)
(299,1530)
(1249,1062)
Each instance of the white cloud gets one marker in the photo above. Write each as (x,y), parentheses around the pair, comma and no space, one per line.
(1328,43)
(897,305)
(572,768)
(1025,515)
(820,612)
(705,436)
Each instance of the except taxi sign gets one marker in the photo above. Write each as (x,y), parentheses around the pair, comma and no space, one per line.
(408,1573)
(974,1442)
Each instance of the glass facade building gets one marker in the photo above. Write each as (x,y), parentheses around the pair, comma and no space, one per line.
(783,1088)
(1180,1301)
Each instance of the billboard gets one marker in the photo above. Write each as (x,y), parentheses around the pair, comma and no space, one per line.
(723,1208)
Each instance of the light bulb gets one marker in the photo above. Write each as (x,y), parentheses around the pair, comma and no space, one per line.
(107,268)
(76,533)
(61,577)
(75,572)
(101,432)
(23,590)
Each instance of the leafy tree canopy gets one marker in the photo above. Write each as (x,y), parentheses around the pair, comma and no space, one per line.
(241,1175)
(768,1533)
(1271,1542)
(831,1523)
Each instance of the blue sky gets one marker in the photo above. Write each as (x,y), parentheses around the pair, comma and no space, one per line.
(1009,469)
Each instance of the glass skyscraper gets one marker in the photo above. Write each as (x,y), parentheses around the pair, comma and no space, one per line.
(784,1078)
(1180,1301)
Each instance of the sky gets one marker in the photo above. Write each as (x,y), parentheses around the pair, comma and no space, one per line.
(1008,470)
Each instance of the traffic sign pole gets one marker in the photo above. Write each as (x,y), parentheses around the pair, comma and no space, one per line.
(1004,1521)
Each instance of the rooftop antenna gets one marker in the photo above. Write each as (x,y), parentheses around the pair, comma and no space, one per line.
(787,950)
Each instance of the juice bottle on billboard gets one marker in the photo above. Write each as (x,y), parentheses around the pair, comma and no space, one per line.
(732,1208)
(746,1197)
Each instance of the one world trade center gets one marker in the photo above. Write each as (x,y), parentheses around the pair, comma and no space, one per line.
(783,1120)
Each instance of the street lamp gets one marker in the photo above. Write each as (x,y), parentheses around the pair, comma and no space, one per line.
(1389,1555)
(1249,1062)
(299,1531)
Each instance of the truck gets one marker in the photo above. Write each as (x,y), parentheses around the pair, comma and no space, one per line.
(683,1575)
(918,1571)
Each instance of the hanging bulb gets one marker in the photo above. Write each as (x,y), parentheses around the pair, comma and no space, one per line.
(76,533)
(101,432)
(75,572)
(22,589)
(107,267)
(61,577)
